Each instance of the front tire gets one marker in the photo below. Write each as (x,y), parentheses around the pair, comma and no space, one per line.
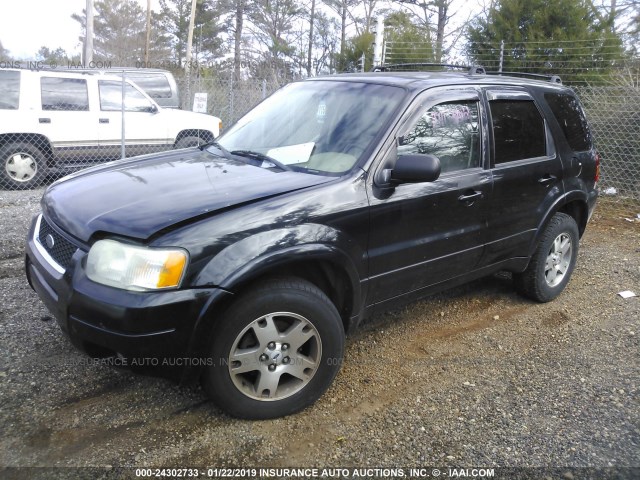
(23,165)
(275,351)
(553,262)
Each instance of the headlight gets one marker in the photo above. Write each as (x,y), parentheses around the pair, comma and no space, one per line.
(135,268)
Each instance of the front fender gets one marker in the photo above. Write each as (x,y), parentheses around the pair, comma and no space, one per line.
(265,251)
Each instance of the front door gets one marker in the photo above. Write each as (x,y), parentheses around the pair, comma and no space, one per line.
(146,130)
(426,233)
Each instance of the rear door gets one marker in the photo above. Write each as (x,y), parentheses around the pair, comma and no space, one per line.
(527,173)
(67,119)
(426,233)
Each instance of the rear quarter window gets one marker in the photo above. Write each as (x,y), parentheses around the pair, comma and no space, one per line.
(155,84)
(9,90)
(570,116)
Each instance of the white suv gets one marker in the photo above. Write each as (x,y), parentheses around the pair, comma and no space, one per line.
(55,122)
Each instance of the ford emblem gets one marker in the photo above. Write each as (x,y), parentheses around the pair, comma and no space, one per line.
(49,241)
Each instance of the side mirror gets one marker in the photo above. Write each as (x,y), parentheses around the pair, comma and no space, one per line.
(152,109)
(415,168)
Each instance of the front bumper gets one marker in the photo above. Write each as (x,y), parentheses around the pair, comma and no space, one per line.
(142,325)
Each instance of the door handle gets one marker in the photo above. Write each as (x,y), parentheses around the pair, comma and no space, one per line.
(547,179)
(469,198)
(104,120)
(44,120)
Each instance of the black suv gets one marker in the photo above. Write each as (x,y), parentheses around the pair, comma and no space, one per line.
(245,261)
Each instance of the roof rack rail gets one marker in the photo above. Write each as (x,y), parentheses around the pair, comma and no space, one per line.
(550,78)
(472,69)
(51,68)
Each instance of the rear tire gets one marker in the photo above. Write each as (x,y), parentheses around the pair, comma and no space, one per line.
(552,263)
(275,351)
(23,166)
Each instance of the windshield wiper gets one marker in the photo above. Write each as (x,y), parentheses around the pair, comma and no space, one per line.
(261,157)
(225,153)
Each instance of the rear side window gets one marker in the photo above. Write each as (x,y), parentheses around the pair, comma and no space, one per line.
(518,130)
(570,116)
(9,90)
(64,94)
(155,85)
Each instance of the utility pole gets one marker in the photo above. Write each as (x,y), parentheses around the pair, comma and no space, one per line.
(501,55)
(187,66)
(148,41)
(377,48)
(88,39)
(192,18)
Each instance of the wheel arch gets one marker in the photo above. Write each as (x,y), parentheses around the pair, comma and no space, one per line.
(322,265)
(573,204)
(206,135)
(325,266)
(39,141)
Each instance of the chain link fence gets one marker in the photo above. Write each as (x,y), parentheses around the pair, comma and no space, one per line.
(614,115)
(53,123)
(228,99)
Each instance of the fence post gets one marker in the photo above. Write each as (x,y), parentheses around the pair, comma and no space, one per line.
(122,110)
(231,106)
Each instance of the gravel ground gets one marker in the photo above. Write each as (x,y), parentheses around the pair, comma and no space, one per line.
(476,376)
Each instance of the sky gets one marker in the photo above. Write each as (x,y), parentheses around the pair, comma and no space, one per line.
(27,25)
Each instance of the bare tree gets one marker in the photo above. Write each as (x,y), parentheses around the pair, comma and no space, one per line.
(237,37)
(342,8)
(235,12)
(326,43)
(442,37)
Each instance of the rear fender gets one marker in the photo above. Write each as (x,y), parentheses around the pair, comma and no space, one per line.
(573,196)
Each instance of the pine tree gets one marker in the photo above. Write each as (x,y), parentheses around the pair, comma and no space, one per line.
(567,37)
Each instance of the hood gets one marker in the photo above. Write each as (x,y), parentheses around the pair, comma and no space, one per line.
(137,198)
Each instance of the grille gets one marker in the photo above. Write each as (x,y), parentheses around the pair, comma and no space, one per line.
(62,249)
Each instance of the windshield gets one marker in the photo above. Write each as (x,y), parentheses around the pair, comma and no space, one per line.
(322,127)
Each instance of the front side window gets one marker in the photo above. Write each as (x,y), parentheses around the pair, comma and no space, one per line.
(66,94)
(9,90)
(111,97)
(518,130)
(570,116)
(449,131)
